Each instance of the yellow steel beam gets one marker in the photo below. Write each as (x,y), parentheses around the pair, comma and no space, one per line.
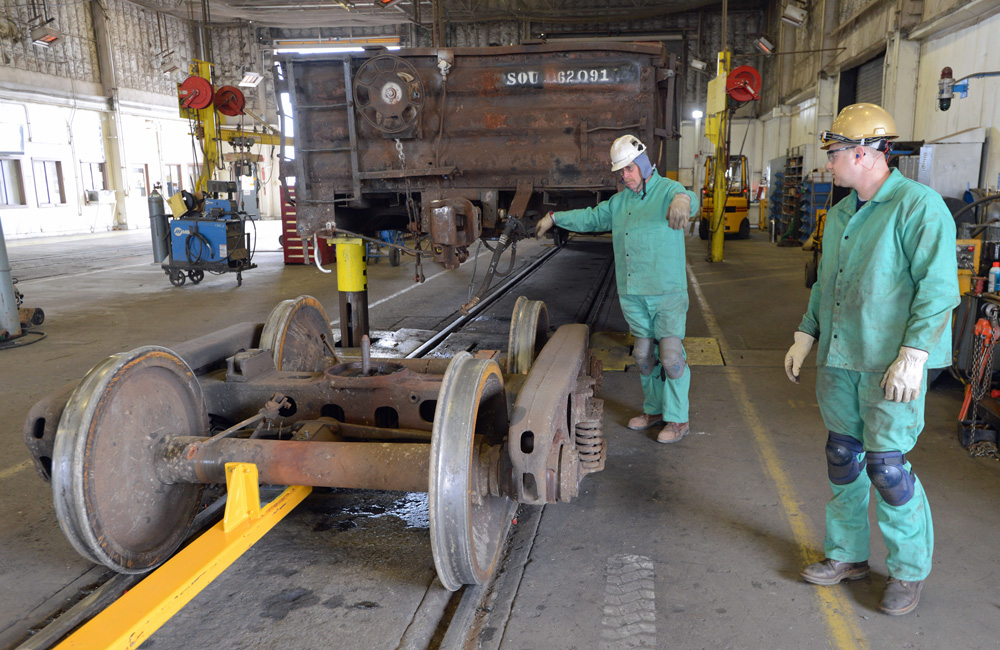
(273,139)
(717,226)
(134,617)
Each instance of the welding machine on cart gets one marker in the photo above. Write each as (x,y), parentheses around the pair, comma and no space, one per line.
(211,238)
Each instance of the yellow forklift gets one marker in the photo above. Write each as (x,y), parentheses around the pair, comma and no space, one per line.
(737,201)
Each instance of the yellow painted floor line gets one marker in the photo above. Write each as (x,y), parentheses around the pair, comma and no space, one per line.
(838,611)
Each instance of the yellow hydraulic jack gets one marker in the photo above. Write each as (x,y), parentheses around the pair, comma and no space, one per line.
(134,617)
(352,285)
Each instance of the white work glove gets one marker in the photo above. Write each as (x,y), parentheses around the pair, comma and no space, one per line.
(679,211)
(797,354)
(903,378)
(545,225)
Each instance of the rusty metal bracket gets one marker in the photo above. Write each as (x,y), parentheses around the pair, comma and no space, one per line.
(525,188)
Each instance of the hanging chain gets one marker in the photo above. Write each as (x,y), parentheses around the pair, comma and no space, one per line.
(410,207)
(411,213)
(982,363)
(986,334)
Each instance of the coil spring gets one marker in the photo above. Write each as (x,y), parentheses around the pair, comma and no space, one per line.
(590,442)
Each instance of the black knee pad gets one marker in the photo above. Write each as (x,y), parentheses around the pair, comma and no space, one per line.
(672,357)
(642,351)
(842,462)
(893,482)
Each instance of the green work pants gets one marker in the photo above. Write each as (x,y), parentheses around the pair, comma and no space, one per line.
(853,404)
(657,317)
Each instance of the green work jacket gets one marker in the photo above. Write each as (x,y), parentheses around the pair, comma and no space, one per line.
(649,254)
(888,278)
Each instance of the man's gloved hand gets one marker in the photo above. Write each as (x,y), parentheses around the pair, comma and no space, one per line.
(903,378)
(679,211)
(797,354)
(545,225)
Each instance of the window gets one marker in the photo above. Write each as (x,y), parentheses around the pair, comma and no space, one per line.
(173,182)
(93,176)
(48,182)
(140,179)
(11,189)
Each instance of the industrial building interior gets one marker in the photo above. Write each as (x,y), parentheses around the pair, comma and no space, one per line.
(285,365)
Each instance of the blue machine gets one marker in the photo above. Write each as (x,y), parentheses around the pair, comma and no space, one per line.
(199,240)
(213,239)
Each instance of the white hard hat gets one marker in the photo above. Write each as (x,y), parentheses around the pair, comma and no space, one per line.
(624,150)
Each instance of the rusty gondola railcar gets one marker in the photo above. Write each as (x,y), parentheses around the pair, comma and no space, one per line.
(449,142)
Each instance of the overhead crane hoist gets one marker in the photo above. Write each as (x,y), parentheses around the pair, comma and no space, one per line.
(729,90)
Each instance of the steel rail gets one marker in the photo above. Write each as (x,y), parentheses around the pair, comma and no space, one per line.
(498,292)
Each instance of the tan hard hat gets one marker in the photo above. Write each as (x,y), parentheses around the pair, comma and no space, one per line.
(860,124)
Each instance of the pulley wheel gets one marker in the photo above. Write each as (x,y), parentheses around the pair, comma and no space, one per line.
(388,93)
(467,528)
(195,93)
(294,332)
(229,100)
(109,502)
(529,332)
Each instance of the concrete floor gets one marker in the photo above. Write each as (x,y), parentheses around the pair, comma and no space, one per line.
(710,532)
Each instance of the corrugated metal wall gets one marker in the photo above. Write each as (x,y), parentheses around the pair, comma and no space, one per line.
(869,84)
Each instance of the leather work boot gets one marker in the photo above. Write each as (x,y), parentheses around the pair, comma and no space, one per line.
(673,432)
(900,597)
(830,572)
(644,421)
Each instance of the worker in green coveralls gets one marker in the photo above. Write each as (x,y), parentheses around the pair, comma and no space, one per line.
(881,311)
(647,222)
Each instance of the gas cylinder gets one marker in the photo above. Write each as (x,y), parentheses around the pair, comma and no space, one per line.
(158,225)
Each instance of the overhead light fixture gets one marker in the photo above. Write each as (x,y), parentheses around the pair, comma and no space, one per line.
(764,46)
(698,64)
(168,62)
(251,79)
(697,114)
(794,15)
(386,3)
(44,36)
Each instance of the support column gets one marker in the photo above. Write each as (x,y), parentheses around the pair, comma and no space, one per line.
(114,148)
(352,285)
(899,94)
(10,322)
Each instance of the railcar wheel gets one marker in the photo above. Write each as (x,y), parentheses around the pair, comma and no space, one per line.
(467,526)
(294,332)
(529,332)
(109,501)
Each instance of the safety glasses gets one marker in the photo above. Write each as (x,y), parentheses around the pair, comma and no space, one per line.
(831,155)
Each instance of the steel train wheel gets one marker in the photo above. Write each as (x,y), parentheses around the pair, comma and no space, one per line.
(109,502)
(294,332)
(529,331)
(467,528)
